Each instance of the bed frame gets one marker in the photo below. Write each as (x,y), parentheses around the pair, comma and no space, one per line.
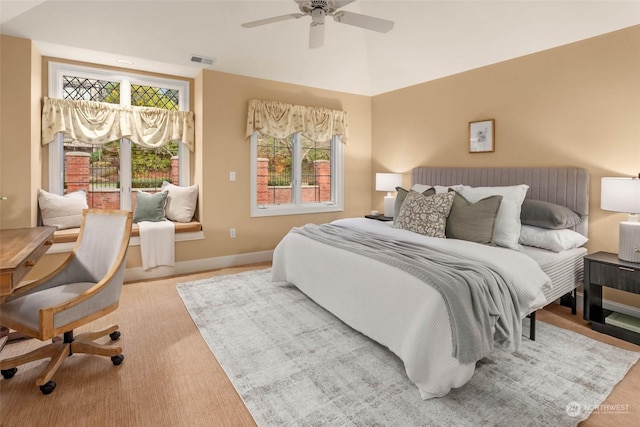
(563,186)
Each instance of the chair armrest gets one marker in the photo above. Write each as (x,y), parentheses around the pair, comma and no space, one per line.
(65,273)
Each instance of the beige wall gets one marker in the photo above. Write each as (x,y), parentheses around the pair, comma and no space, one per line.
(220,102)
(575,105)
(221,114)
(20,153)
(220,106)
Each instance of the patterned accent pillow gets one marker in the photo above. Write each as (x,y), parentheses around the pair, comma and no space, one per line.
(402,194)
(425,214)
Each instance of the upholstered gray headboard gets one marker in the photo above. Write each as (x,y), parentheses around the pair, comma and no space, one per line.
(564,186)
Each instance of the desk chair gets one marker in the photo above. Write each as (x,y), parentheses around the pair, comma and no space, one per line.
(84,288)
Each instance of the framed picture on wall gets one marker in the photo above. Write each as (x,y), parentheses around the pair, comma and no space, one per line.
(481,136)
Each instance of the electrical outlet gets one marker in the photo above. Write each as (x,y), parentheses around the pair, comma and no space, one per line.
(232,176)
(232,233)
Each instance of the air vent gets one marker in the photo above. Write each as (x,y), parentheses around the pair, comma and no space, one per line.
(201,59)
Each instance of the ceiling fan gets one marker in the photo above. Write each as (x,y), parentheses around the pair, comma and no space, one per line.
(318,9)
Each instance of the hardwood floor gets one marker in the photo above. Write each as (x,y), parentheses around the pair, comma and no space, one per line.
(171,378)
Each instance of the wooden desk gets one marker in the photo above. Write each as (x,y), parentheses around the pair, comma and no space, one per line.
(20,249)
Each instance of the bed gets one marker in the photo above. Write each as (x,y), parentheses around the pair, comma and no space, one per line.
(395,307)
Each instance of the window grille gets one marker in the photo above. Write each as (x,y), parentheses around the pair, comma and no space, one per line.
(78,88)
(147,96)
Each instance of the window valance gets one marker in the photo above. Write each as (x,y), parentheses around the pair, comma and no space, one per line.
(99,123)
(280,120)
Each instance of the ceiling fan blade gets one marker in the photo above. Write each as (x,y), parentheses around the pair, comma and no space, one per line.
(272,20)
(342,3)
(316,35)
(363,21)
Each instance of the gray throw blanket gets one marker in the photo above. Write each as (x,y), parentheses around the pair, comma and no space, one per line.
(477,297)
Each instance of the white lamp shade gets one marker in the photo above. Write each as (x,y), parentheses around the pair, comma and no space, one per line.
(388,181)
(620,195)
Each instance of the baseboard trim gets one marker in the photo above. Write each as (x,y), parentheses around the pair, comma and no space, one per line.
(187,267)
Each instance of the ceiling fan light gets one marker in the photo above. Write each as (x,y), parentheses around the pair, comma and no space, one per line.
(316,35)
(317,16)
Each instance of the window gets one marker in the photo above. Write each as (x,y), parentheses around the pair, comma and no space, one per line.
(295,175)
(112,173)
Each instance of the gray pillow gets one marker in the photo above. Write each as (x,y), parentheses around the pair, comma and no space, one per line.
(402,194)
(548,215)
(150,207)
(474,222)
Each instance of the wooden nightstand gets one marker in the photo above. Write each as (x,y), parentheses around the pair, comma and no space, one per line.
(605,269)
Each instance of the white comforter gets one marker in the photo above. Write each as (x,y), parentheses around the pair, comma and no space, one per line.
(393,307)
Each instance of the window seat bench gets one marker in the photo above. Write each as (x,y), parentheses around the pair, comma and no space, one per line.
(70,235)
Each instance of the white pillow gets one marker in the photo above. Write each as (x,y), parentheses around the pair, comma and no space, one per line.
(62,211)
(552,240)
(507,227)
(181,201)
(420,188)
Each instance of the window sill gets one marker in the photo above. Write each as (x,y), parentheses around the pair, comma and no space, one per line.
(64,240)
(276,210)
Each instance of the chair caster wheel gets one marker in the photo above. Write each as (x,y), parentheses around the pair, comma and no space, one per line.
(9,373)
(116,360)
(48,387)
(114,335)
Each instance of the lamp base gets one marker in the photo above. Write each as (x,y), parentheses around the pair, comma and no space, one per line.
(629,241)
(389,206)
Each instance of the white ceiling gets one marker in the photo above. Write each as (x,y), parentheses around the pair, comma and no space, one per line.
(431,39)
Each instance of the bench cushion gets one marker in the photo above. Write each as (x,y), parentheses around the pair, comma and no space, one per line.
(70,235)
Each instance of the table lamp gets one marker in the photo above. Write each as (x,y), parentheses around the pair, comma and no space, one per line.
(388,182)
(623,195)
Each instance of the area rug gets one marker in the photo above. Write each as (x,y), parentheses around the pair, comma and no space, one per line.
(293,363)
